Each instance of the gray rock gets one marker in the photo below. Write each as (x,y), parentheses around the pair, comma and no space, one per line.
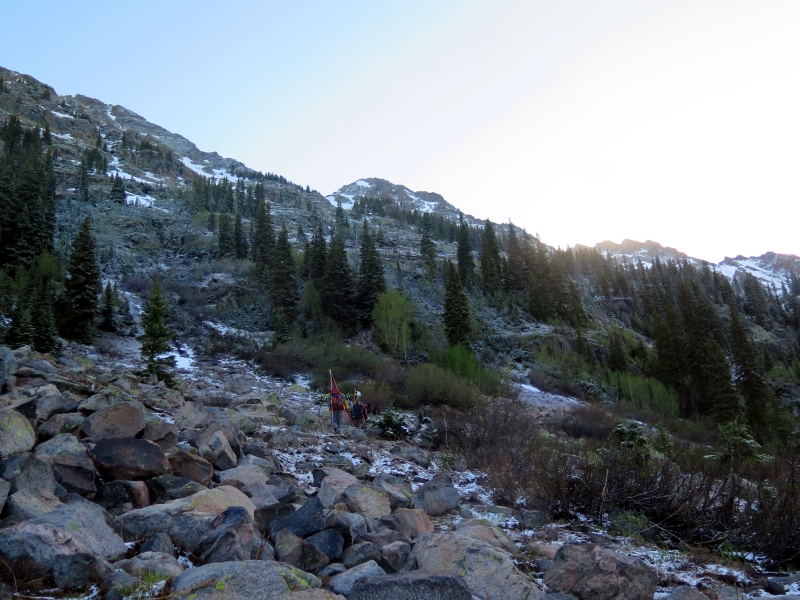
(328,541)
(314,559)
(332,569)
(415,455)
(396,558)
(284,439)
(118,585)
(63,442)
(268,509)
(333,486)
(218,451)
(159,564)
(343,582)
(118,497)
(240,477)
(489,534)
(560,596)
(488,572)
(383,536)
(238,384)
(162,433)
(411,586)
(229,431)
(30,548)
(77,571)
(191,415)
(305,521)
(49,402)
(230,537)
(169,487)
(411,522)
(350,525)
(26,505)
(75,474)
(367,500)
(583,569)
(682,593)
(532,519)
(252,579)
(34,476)
(191,466)
(159,542)
(437,496)
(361,553)
(128,459)
(265,464)
(289,548)
(122,420)
(16,434)
(5,487)
(186,520)
(61,423)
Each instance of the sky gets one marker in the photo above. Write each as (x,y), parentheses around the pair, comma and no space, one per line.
(582,121)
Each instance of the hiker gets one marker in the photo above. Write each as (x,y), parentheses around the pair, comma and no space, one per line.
(359,412)
(337,405)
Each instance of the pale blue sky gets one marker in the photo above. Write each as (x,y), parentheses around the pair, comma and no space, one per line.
(581,120)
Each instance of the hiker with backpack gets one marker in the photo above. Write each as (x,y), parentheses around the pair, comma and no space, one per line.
(359,412)
(337,405)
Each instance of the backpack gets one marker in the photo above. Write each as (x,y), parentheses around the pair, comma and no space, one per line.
(358,411)
(337,403)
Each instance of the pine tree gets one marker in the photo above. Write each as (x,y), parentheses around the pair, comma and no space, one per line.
(282,333)
(283,291)
(427,248)
(617,360)
(466,266)
(239,239)
(717,394)
(83,284)
(371,281)
(107,310)
(82,187)
(263,242)
(342,224)
(456,318)
(117,193)
(8,221)
(338,299)
(317,255)
(157,336)
(225,240)
(21,331)
(514,276)
(760,405)
(47,138)
(45,334)
(212,222)
(490,261)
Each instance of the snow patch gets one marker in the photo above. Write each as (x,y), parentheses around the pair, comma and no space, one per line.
(62,115)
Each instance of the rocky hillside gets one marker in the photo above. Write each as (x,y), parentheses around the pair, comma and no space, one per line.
(233,486)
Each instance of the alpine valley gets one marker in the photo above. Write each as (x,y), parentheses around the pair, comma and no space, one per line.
(617,421)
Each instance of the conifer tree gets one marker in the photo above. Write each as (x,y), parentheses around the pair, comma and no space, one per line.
(107,310)
(341,220)
(82,187)
(371,281)
(282,333)
(83,284)
(239,239)
(466,266)
(8,221)
(157,336)
(490,261)
(338,298)
(212,222)
(617,360)
(117,193)
(283,291)
(318,252)
(427,248)
(21,331)
(456,318)
(45,334)
(225,240)
(514,276)
(47,137)
(760,405)
(717,395)
(263,242)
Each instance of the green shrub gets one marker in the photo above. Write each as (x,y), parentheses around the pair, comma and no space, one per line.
(645,393)
(430,384)
(463,362)
(318,356)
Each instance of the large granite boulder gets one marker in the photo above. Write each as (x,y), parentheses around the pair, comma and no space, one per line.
(589,571)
